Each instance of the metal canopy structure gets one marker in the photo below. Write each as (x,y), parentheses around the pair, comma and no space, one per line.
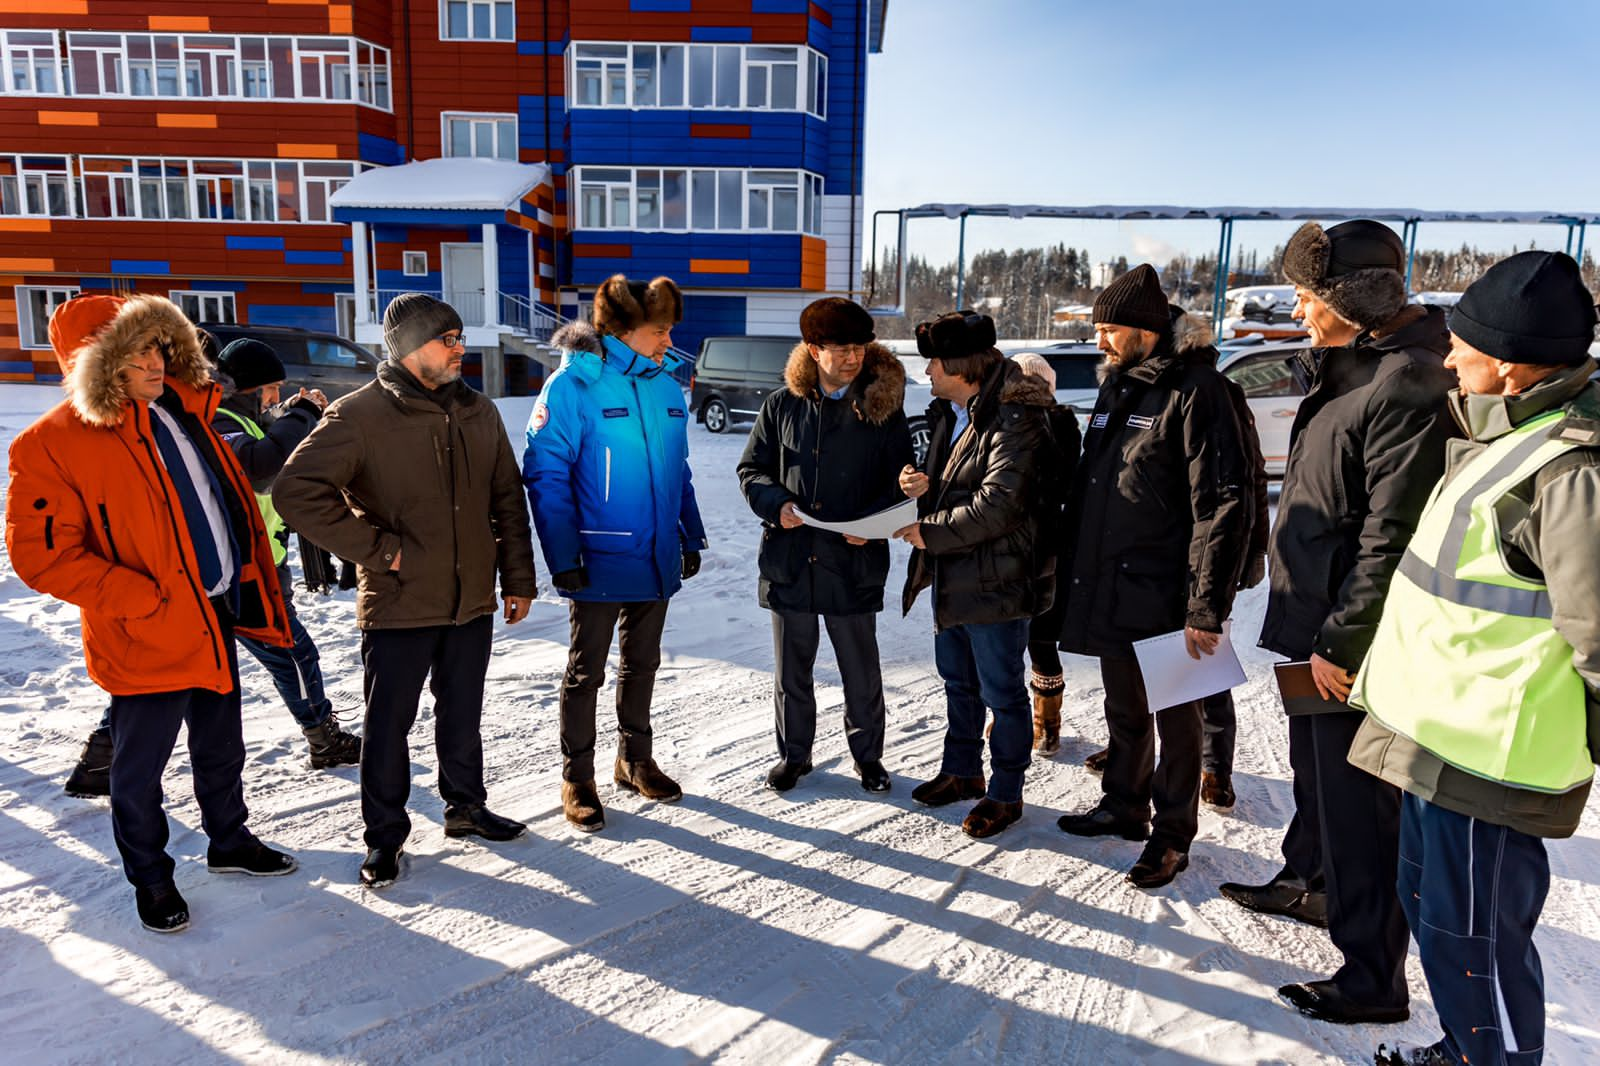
(1410,219)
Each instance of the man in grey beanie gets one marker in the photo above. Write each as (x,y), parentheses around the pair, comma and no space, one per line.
(412,477)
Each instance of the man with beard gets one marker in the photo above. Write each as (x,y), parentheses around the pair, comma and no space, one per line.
(1160,520)
(831,442)
(1366,447)
(412,477)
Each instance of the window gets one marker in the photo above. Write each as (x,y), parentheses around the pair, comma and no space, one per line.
(35,304)
(217,66)
(321,352)
(766,77)
(1266,376)
(36,186)
(477,20)
(483,136)
(212,189)
(205,306)
(30,62)
(703,199)
(415,263)
(322,180)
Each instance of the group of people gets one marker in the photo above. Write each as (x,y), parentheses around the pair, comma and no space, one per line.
(1431,563)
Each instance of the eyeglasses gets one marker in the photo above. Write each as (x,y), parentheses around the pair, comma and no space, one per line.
(837,350)
(450,340)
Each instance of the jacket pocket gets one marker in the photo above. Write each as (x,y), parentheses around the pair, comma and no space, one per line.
(1147,597)
(780,558)
(105,529)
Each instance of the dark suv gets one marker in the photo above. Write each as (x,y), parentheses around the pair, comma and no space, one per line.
(733,375)
(311,360)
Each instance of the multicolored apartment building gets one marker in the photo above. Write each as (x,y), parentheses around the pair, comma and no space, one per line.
(300,162)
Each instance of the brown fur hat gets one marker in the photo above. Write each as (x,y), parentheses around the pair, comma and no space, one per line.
(1356,267)
(100,335)
(622,306)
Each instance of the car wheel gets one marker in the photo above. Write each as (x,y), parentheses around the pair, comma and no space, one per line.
(921,437)
(715,416)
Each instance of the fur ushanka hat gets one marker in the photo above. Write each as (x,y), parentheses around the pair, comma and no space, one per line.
(622,306)
(1357,268)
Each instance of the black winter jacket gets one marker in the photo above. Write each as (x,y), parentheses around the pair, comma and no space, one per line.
(837,460)
(1365,451)
(982,512)
(1162,504)
(285,426)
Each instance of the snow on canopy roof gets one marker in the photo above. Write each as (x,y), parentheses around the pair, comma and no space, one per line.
(1287,214)
(444,185)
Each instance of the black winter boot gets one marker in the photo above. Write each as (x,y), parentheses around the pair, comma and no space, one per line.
(91,778)
(332,746)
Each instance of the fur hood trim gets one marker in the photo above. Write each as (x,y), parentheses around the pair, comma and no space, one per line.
(1190,333)
(92,383)
(578,337)
(1023,388)
(884,394)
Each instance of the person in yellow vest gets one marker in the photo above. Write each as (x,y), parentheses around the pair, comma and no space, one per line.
(1482,686)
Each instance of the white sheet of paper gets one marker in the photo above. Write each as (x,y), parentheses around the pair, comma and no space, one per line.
(878,526)
(1171,677)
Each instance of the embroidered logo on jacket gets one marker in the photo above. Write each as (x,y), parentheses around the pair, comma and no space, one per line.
(1099,421)
(616,412)
(674,412)
(1141,421)
(541,416)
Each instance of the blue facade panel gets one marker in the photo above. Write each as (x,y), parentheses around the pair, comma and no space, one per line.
(141,266)
(721,34)
(374,149)
(774,259)
(254,244)
(602,136)
(708,316)
(224,286)
(313,258)
(512,246)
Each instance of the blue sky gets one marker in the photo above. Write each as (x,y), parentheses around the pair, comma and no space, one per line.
(1409,103)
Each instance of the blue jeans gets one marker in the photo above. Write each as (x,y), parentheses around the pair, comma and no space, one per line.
(1472,892)
(983,667)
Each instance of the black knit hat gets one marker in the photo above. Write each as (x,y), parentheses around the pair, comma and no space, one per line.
(251,363)
(1134,299)
(955,334)
(1356,268)
(413,319)
(835,320)
(1529,308)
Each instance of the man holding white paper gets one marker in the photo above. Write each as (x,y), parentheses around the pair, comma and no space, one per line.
(1160,513)
(829,444)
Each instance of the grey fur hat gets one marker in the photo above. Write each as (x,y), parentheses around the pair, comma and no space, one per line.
(1356,267)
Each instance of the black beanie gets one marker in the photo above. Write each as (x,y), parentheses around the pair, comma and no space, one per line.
(1529,308)
(413,319)
(835,320)
(1134,299)
(955,334)
(251,363)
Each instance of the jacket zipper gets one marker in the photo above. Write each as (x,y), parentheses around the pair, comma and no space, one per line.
(177,535)
(105,526)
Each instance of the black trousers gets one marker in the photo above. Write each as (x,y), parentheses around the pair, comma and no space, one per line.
(1346,831)
(638,627)
(854,637)
(143,731)
(1133,777)
(397,661)
(1220,724)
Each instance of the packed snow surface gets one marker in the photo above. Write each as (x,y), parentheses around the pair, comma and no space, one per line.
(824,925)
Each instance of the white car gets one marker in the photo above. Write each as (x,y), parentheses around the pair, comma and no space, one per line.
(1273,391)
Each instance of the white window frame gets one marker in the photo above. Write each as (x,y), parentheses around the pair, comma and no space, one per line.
(347,69)
(477,120)
(22,177)
(584,180)
(811,76)
(194,303)
(409,259)
(472,6)
(257,187)
(344,315)
(55,296)
(25,52)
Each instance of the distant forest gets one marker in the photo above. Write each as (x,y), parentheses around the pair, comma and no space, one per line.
(1028,284)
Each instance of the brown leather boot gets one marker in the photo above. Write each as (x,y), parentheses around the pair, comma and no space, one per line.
(1097,761)
(646,778)
(581,803)
(990,817)
(947,788)
(1047,724)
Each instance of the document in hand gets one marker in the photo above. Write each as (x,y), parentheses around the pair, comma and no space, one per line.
(1171,677)
(880,526)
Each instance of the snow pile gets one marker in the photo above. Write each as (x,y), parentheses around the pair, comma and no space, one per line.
(823,925)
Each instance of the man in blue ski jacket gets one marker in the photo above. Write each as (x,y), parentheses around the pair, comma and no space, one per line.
(607,471)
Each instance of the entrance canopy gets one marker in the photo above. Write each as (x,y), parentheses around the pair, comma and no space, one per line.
(438,191)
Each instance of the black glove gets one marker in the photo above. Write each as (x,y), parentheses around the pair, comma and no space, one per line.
(1254,570)
(691,563)
(574,580)
(306,404)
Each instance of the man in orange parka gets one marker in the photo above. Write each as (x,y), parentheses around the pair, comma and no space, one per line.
(124,502)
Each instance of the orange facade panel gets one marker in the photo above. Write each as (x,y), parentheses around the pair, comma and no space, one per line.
(44,7)
(69,118)
(181,23)
(292,150)
(813,263)
(719,266)
(168,120)
(28,265)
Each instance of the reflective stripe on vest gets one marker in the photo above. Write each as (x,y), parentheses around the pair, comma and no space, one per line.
(277,529)
(1466,661)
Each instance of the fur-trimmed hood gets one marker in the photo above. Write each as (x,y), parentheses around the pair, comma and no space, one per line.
(578,337)
(1023,388)
(93,386)
(883,393)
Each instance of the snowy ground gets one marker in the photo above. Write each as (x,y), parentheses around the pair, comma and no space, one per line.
(825,925)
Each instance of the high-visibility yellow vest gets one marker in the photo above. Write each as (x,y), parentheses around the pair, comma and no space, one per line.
(277,529)
(1466,661)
